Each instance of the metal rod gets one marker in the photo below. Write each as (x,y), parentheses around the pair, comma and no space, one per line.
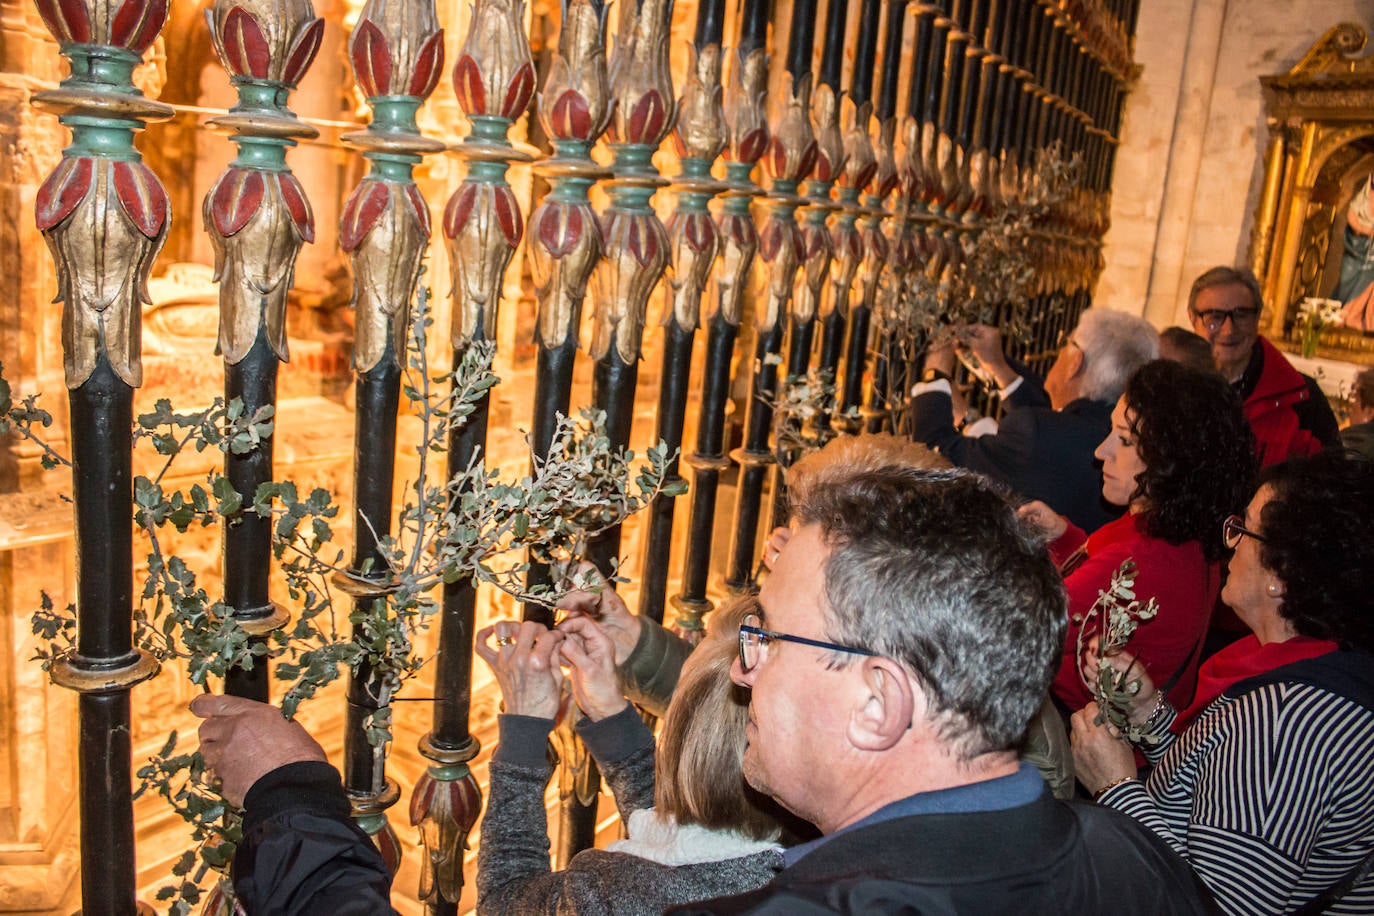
(248,543)
(747,133)
(790,159)
(694,242)
(105,216)
(565,236)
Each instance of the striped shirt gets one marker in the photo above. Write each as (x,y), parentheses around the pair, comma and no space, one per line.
(1269,796)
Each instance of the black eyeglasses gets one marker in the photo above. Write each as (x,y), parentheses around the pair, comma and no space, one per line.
(1214,319)
(753,638)
(1232,530)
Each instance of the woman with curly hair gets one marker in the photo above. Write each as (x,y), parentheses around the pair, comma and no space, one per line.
(1180,458)
(1269,794)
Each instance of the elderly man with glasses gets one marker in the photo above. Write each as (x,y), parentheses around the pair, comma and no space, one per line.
(903,643)
(1287,410)
(1043,447)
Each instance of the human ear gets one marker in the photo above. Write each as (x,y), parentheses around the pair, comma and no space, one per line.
(1074,360)
(887,706)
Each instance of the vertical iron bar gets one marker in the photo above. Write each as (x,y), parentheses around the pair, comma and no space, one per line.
(565,237)
(104,215)
(694,242)
(396,51)
(257,218)
(791,156)
(747,131)
(860,165)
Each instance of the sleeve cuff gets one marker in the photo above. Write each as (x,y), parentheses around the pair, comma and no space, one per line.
(308,785)
(615,737)
(940,386)
(523,741)
(1119,795)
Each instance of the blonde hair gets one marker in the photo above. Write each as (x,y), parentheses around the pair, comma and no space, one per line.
(698,776)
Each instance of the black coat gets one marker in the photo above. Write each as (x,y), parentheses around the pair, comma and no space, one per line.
(301,854)
(1040,452)
(1047,857)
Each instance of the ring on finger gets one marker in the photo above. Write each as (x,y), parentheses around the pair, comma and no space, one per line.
(505,640)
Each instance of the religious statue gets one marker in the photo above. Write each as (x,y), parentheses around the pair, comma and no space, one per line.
(1355,287)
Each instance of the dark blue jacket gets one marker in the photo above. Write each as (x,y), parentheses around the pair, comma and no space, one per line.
(1040,452)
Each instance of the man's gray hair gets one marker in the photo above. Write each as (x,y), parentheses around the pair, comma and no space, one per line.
(933,569)
(1226,276)
(1114,345)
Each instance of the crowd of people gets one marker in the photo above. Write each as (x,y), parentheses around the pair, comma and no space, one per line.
(907,717)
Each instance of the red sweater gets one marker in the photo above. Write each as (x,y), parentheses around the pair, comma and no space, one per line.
(1243,659)
(1178,576)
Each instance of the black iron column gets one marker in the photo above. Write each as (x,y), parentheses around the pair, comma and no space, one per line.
(747,132)
(105,216)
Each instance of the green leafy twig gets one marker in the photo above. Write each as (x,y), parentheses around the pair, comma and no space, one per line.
(1113,619)
(24,419)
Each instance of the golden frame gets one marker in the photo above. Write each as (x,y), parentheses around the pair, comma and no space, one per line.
(1321,123)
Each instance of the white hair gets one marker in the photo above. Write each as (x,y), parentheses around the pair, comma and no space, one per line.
(1114,344)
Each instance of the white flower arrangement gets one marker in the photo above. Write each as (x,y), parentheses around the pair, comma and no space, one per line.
(1317,313)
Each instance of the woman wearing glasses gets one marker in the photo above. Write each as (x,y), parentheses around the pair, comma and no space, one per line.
(694,829)
(1269,792)
(1179,457)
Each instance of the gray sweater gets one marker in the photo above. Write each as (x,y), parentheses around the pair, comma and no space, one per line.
(513,874)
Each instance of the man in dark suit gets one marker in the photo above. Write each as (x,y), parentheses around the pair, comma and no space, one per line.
(903,642)
(1043,448)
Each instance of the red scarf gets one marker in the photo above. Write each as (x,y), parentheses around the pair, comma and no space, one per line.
(1243,659)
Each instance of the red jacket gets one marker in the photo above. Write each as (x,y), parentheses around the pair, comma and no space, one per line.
(1178,576)
(1272,409)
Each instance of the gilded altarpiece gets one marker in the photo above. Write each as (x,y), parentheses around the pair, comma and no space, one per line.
(1318,168)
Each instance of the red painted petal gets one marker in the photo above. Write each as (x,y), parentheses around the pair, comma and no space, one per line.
(62,191)
(421,208)
(518,93)
(142,196)
(752,147)
(508,215)
(770,240)
(808,162)
(560,229)
(303,52)
(467,85)
(646,118)
(777,158)
(137,23)
(701,232)
(293,195)
(371,59)
(459,209)
(865,175)
(429,63)
(235,199)
(365,206)
(421,797)
(244,44)
(570,118)
(66,19)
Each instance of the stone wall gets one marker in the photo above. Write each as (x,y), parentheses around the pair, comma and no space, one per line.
(1189,169)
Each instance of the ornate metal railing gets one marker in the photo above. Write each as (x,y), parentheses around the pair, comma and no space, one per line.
(871,210)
